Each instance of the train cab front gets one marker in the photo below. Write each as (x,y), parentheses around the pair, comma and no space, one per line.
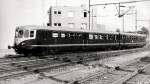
(23,39)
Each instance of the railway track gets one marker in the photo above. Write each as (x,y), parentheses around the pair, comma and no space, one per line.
(21,58)
(117,75)
(24,66)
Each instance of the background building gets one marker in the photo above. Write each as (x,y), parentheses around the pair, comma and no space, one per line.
(72,17)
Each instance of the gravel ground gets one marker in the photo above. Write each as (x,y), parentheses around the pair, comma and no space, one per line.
(81,71)
(78,74)
(110,62)
(123,59)
(139,79)
(107,78)
(21,80)
(143,78)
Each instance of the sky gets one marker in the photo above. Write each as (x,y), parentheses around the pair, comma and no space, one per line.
(34,12)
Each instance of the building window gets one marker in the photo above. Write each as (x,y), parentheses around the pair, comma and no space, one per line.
(59,12)
(70,14)
(55,24)
(85,14)
(55,12)
(59,24)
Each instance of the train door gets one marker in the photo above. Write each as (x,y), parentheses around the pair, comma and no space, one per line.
(43,37)
(39,37)
(85,38)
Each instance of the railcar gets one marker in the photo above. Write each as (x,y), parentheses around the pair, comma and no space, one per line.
(45,40)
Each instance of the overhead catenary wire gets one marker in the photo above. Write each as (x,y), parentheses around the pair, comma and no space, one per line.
(118,3)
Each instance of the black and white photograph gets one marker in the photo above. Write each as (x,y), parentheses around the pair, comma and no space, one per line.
(74,41)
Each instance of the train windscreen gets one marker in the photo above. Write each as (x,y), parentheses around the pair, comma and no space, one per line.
(19,33)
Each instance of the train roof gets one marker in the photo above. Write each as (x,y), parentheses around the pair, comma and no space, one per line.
(39,27)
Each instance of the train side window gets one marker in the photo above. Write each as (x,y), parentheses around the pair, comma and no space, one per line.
(107,37)
(66,35)
(100,37)
(90,36)
(31,33)
(55,35)
(59,24)
(110,37)
(96,36)
(78,35)
(104,37)
(62,35)
(71,35)
(114,37)
(120,37)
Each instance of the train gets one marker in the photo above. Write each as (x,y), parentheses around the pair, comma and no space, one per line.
(43,40)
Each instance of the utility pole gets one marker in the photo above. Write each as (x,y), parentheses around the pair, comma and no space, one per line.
(119,10)
(43,11)
(56,3)
(121,15)
(122,23)
(89,13)
(136,20)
